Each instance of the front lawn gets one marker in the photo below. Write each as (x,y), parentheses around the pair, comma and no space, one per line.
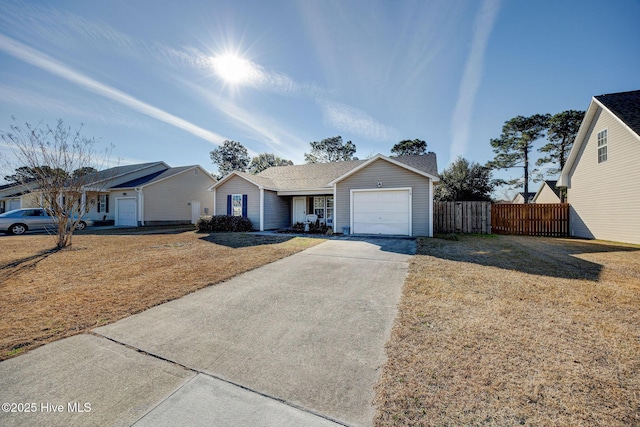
(48,295)
(509,331)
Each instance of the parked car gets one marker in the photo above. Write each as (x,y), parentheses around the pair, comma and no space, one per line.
(21,220)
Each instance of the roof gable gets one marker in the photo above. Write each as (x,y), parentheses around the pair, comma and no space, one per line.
(258,181)
(624,106)
(551,185)
(424,165)
(308,176)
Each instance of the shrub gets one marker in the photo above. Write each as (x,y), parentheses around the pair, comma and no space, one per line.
(223,223)
(314,228)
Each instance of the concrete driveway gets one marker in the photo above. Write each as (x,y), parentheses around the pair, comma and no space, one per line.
(296,342)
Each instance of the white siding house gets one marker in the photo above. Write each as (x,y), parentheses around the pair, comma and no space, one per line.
(381,195)
(547,193)
(602,173)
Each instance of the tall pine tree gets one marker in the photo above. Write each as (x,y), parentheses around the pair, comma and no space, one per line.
(514,146)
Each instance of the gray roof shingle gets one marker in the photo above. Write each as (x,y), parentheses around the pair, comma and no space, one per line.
(156,176)
(310,175)
(319,175)
(625,105)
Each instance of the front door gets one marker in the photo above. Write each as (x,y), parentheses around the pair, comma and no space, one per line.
(299,209)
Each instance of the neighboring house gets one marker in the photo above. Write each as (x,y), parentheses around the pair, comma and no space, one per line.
(547,193)
(15,196)
(144,194)
(381,195)
(519,198)
(602,174)
(160,195)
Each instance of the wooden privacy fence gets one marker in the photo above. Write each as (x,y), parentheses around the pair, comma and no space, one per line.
(549,219)
(462,217)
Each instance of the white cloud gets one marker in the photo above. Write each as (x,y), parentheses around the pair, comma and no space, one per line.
(42,61)
(349,119)
(265,128)
(461,120)
(64,29)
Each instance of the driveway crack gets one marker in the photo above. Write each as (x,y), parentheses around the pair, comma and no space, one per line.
(215,377)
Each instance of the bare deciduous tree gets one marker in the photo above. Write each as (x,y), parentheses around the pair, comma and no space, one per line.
(53,156)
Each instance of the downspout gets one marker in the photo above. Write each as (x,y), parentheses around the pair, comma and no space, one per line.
(261,209)
(140,206)
(430,207)
(335,207)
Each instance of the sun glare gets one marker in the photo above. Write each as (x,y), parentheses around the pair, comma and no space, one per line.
(234,69)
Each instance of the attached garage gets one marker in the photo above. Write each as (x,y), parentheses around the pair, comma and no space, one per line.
(126,212)
(381,211)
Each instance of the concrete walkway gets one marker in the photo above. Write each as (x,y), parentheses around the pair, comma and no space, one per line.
(296,342)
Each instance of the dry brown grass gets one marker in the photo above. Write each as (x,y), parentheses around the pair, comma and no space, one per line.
(503,331)
(48,295)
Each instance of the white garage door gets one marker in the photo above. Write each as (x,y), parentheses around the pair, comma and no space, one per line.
(381,212)
(126,215)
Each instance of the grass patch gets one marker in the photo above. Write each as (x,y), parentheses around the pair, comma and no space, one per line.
(515,331)
(103,278)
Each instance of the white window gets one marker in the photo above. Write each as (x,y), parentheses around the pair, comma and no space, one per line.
(323,207)
(236,205)
(318,207)
(103,203)
(602,146)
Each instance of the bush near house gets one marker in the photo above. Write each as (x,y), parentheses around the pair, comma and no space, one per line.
(314,228)
(223,223)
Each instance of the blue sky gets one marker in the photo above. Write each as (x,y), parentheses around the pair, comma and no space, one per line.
(172,80)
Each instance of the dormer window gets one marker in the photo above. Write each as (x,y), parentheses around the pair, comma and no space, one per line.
(602,146)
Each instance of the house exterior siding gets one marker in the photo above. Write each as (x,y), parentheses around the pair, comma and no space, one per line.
(184,188)
(117,180)
(277,211)
(237,185)
(547,195)
(391,176)
(601,194)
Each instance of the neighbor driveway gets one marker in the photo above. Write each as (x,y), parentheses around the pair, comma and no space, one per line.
(296,342)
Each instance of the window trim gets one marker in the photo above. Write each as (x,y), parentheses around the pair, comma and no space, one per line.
(327,211)
(602,141)
(103,203)
(233,208)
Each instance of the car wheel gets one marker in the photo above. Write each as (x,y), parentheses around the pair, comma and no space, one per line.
(18,229)
(81,225)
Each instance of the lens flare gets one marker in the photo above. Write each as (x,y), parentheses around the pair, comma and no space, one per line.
(234,69)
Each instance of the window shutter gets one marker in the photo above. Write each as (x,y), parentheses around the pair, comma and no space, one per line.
(99,203)
(229,204)
(106,203)
(244,205)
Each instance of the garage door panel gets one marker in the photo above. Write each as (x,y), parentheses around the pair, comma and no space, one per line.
(126,215)
(381,212)
(377,228)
